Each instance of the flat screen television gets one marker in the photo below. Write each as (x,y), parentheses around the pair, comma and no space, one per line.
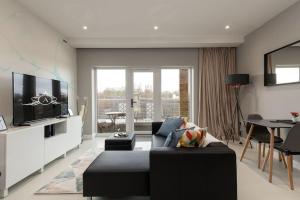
(36,98)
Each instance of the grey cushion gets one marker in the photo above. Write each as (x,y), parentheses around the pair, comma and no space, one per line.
(169,125)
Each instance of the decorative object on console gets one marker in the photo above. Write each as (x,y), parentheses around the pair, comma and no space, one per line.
(3,126)
(236,81)
(295,116)
(70,112)
(83,112)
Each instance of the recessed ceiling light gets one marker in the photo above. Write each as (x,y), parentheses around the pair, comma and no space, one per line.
(155,27)
(84,27)
(227,27)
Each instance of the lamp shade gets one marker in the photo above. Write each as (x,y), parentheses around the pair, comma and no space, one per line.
(237,79)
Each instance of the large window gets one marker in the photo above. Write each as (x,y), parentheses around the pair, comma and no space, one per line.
(143,108)
(175,95)
(130,99)
(111,100)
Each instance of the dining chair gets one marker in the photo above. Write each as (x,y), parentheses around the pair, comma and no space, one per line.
(261,135)
(290,147)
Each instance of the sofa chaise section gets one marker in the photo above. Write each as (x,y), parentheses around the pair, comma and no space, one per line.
(118,174)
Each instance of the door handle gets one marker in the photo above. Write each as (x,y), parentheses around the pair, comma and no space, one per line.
(132,102)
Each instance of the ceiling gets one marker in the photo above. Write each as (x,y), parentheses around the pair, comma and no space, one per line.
(129,23)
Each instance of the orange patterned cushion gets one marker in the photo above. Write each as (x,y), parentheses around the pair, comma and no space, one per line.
(192,138)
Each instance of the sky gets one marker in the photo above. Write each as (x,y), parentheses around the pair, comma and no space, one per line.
(116,78)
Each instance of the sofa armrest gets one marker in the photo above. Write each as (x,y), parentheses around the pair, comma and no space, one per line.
(155,127)
(190,173)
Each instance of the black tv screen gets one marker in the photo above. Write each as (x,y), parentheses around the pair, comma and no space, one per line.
(36,98)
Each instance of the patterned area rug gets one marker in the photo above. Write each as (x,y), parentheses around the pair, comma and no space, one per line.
(70,180)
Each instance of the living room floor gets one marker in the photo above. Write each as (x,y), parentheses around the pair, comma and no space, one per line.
(252,182)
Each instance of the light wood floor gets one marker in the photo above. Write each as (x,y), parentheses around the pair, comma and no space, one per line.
(252,183)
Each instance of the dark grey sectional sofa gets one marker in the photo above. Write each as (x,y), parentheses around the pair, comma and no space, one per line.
(164,173)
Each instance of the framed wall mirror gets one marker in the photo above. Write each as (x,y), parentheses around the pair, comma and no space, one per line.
(282,66)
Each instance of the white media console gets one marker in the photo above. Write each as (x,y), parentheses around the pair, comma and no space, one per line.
(25,150)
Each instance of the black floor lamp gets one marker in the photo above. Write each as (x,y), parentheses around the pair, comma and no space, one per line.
(236,81)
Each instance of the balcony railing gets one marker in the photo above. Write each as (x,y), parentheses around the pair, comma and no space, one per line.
(143,113)
(143,109)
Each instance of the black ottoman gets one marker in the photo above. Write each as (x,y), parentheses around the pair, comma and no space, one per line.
(117,174)
(120,143)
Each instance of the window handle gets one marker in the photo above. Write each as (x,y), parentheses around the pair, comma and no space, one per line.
(132,102)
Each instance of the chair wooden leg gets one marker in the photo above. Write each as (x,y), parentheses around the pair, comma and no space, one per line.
(264,150)
(259,155)
(292,162)
(279,157)
(266,160)
(283,159)
(247,142)
(279,153)
(290,171)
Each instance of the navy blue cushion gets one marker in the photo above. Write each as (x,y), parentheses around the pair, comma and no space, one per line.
(169,125)
(174,137)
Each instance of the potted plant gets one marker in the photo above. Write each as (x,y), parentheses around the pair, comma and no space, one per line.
(295,116)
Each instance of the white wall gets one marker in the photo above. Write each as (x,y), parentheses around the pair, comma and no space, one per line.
(88,59)
(28,45)
(276,101)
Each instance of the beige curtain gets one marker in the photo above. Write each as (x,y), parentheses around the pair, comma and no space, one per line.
(216,100)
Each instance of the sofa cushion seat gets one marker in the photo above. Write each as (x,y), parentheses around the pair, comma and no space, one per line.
(118,174)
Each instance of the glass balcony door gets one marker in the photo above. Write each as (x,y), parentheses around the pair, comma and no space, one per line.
(131,99)
(111,100)
(142,100)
